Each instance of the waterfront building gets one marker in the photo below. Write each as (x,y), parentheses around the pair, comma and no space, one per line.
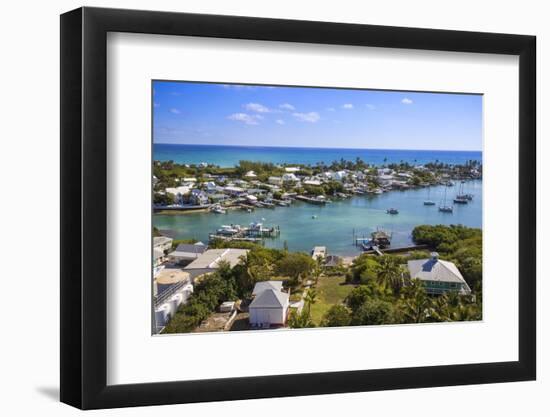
(233,190)
(198,197)
(178,193)
(162,242)
(438,276)
(319,252)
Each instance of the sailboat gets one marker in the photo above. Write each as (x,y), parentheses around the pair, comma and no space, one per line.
(429,202)
(444,207)
(461,198)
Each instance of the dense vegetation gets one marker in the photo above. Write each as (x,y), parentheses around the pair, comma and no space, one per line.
(228,284)
(380,291)
(458,244)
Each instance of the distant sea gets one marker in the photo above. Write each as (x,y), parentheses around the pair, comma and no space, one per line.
(228,156)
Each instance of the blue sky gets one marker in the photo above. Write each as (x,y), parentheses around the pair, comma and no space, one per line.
(222,114)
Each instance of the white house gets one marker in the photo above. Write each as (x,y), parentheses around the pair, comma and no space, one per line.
(210,260)
(290,178)
(319,252)
(385,171)
(162,242)
(339,175)
(261,286)
(250,174)
(178,192)
(404,175)
(269,308)
(233,190)
(315,183)
(385,179)
(275,180)
(292,169)
(438,276)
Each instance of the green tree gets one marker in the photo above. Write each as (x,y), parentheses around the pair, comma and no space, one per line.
(389,274)
(358,296)
(415,305)
(296,266)
(310,299)
(373,311)
(337,316)
(300,320)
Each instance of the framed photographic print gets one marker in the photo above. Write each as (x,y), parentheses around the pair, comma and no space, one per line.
(258,207)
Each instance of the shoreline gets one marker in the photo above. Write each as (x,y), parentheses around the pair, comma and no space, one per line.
(362,213)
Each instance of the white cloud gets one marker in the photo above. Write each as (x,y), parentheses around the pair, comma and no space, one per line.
(256,107)
(331,109)
(371,106)
(347,106)
(407,101)
(280,122)
(287,106)
(245,118)
(155,104)
(311,117)
(175,111)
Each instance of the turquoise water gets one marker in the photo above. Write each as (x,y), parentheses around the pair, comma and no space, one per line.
(228,156)
(336,222)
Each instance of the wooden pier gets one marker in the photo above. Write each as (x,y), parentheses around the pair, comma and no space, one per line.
(310,200)
(376,250)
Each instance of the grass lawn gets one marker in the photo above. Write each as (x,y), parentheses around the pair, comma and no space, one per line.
(330,291)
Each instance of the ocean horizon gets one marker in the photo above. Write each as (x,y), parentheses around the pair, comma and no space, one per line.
(230,155)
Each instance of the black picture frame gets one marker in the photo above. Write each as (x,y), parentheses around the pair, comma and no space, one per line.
(84,207)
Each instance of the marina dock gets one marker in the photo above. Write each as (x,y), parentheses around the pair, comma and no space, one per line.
(312,200)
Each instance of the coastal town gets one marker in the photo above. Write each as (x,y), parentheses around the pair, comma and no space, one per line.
(232,281)
(293,207)
(250,185)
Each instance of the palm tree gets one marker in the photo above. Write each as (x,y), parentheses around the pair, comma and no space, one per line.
(416,306)
(318,268)
(309,299)
(466,313)
(389,274)
(442,309)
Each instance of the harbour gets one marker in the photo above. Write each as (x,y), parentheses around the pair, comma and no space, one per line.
(303,225)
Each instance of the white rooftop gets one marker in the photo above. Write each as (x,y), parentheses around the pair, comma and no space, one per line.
(267,285)
(434,269)
(270,299)
(211,258)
